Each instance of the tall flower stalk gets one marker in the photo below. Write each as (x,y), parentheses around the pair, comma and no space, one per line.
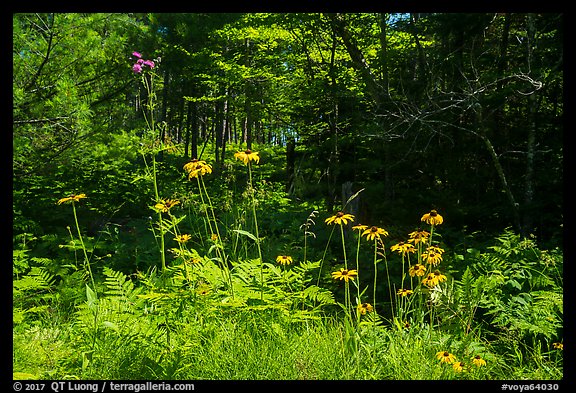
(143,68)
(197,169)
(247,156)
(73,199)
(342,219)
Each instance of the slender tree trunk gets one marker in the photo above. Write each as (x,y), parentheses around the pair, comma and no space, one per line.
(194,131)
(188,132)
(384,55)
(527,222)
(499,170)
(358,60)
(225,135)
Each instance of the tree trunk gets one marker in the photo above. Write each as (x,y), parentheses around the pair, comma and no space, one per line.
(358,60)
(499,170)
(527,223)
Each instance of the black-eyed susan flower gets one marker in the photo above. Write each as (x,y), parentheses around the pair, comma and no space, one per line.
(418,236)
(404,292)
(193,164)
(183,238)
(214,237)
(445,357)
(203,290)
(200,171)
(364,308)
(72,198)
(164,205)
(194,261)
(196,168)
(432,218)
(417,270)
(432,255)
(374,232)
(359,228)
(439,276)
(558,346)
(339,218)
(345,274)
(458,366)
(246,156)
(284,259)
(403,248)
(478,361)
(433,278)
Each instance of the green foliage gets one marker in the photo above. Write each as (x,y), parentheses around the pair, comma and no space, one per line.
(383,101)
(512,291)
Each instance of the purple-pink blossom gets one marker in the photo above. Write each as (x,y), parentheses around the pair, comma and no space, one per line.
(140,62)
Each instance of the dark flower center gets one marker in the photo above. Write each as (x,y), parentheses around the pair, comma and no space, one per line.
(433,213)
(248,151)
(339,214)
(374,229)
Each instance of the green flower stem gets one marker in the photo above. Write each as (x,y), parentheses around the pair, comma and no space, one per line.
(151,126)
(161,227)
(324,256)
(343,247)
(219,246)
(256,230)
(389,285)
(375,276)
(86,259)
(358,266)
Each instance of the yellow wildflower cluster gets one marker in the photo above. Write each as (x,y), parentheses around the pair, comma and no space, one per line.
(458,366)
(197,168)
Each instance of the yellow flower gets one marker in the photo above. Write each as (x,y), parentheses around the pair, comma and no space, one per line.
(478,361)
(433,279)
(404,292)
(430,280)
(432,255)
(73,198)
(445,357)
(201,171)
(203,290)
(432,218)
(196,168)
(403,248)
(418,236)
(344,274)
(339,218)
(166,204)
(458,366)
(213,237)
(559,346)
(246,156)
(284,259)
(183,238)
(363,308)
(359,227)
(374,232)
(417,270)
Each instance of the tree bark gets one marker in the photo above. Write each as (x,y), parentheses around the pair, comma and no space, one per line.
(358,60)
